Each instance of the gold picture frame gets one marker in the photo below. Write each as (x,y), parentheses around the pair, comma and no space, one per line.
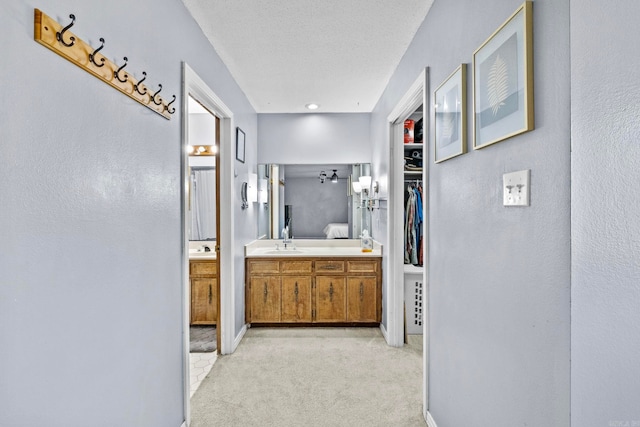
(450,124)
(503,81)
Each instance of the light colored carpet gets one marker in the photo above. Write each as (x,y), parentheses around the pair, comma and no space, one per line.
(312,377)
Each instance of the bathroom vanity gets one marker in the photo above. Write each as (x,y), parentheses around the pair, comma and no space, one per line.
(203,279)
(313,282)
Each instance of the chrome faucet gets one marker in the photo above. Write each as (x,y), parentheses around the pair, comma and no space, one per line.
(286,238)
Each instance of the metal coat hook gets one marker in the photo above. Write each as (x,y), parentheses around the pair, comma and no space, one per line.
(153,98)
(137,86)
(166,107)
(92,56)
(59,34)
(116,73)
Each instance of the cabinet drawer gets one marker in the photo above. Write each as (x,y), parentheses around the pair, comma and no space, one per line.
(296,266)
(263,266)
(199,268)
(334,266)
(362,266)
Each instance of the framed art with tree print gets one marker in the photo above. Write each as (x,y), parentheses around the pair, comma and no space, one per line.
(503,81)
(451,116)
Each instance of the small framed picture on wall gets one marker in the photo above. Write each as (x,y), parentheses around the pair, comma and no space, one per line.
(451,116)
(240,145)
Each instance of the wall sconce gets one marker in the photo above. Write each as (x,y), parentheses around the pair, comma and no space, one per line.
(322,177)
(365,183)
(334,177)
(252,190)
(262,191)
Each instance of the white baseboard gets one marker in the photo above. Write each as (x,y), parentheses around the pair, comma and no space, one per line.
(236,342)
(384,333)
(430,420)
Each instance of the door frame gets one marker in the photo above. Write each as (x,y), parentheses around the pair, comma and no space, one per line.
(194,86)
(416,95)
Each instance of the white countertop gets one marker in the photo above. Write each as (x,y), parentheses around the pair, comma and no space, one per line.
(202,255)
(310,248)
(197,249)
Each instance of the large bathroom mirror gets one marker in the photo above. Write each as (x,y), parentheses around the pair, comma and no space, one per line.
(314,201)
(203,134)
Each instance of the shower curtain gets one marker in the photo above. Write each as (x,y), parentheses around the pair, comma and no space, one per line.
(203,204)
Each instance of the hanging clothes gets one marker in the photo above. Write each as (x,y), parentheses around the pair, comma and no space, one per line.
(409,229)
(421,251)
(413,225)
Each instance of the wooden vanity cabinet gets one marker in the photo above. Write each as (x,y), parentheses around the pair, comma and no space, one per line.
(362,294)
(308,291)
(265,298)
(296,299)
(204,292)
(330,299)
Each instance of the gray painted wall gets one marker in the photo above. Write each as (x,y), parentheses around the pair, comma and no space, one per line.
(315,205)
(314,138)
(90,225)
(605,205)
(499,277)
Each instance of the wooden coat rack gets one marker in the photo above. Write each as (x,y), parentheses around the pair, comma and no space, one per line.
(53,36)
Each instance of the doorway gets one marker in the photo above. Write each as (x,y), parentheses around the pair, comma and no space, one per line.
(203,228)
(214,274)
(416,97)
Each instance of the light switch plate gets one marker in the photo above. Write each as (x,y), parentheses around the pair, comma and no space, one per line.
(516,188)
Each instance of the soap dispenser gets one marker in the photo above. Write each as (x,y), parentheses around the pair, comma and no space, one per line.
(366,242)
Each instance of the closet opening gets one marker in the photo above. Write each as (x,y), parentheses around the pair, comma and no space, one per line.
(407,285)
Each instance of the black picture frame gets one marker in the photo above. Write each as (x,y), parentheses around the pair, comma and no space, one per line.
(240,145)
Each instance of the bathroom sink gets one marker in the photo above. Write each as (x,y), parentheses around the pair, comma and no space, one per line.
(283,251)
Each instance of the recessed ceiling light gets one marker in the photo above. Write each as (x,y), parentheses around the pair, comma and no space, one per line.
(312,106)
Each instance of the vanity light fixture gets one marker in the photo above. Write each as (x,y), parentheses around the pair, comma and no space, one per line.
(202,150)
(252,188)
(334,177)
(262,191)
(322,177)
(357,187)
(365,182)
(312,106)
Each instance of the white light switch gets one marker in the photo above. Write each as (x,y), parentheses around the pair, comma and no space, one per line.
(516,188)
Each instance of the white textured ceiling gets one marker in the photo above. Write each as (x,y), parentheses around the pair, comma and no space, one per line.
(285,54)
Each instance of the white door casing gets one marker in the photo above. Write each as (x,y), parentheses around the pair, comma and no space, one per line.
(194,86)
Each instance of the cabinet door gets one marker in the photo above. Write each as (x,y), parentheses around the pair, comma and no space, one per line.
(330,299)
(362,298)
(265,299)
(204,301)
(296,299)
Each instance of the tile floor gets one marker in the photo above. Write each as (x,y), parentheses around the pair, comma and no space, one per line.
(199,366)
